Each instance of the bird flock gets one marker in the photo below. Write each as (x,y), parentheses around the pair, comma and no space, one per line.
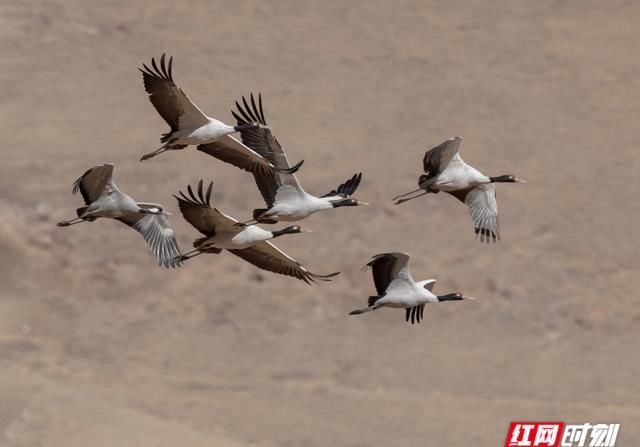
(258,151)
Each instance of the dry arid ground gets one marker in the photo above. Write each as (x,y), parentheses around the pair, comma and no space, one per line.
(100,347)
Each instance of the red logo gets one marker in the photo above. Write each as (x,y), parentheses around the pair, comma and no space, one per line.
(534,434)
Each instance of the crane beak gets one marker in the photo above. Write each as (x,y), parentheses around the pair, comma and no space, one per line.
(362,203)
(305,230)
(464,297)
(168,213)
(519,180)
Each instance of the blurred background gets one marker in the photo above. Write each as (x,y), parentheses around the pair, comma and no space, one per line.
(101,347)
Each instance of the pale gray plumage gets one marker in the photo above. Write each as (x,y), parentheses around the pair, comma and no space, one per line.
(265,143)
(483,209)
(283,194)
(103,199)
(157,231)
(190,126)
(396,288)
(444,170)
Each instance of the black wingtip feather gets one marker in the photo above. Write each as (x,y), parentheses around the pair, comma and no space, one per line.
(200,192)
(486,235)
(209,191)
(416,313)
(255,108)
(261,110)
(325,277)
(245,118)
(250,113)
(154,65)
(348,187)
(202,198)
(236,116)
(292,169)
(163,70)
(184,197)
(163,64)
(248,109)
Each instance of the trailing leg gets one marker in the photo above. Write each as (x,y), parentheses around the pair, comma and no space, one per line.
(154,153)
(411,198)
(66,223)
(365,310)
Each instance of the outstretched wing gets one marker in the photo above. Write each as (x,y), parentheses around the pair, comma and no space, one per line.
(263,142)
(436,159)
(198,212)
(168,99)
(157,231)
(231,151)
(267,256)
(95,182)
(483,209)
(347,188)
(387,267)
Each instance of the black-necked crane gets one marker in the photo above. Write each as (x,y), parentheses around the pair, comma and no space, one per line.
(397,289)
(250,242)
(103,199)
(190,126)
(444,170)
(285,198)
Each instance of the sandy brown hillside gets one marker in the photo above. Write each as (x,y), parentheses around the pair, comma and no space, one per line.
(99,347)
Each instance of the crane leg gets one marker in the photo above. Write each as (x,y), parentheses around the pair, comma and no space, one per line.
(188,255)
(365,310)
(154,153)
(66,223)
(406,194)
(411,198)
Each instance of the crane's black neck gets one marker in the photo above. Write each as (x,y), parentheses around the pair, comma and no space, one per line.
(246,126)
(344,202)
(450,297)
(503,179)
(288,230)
